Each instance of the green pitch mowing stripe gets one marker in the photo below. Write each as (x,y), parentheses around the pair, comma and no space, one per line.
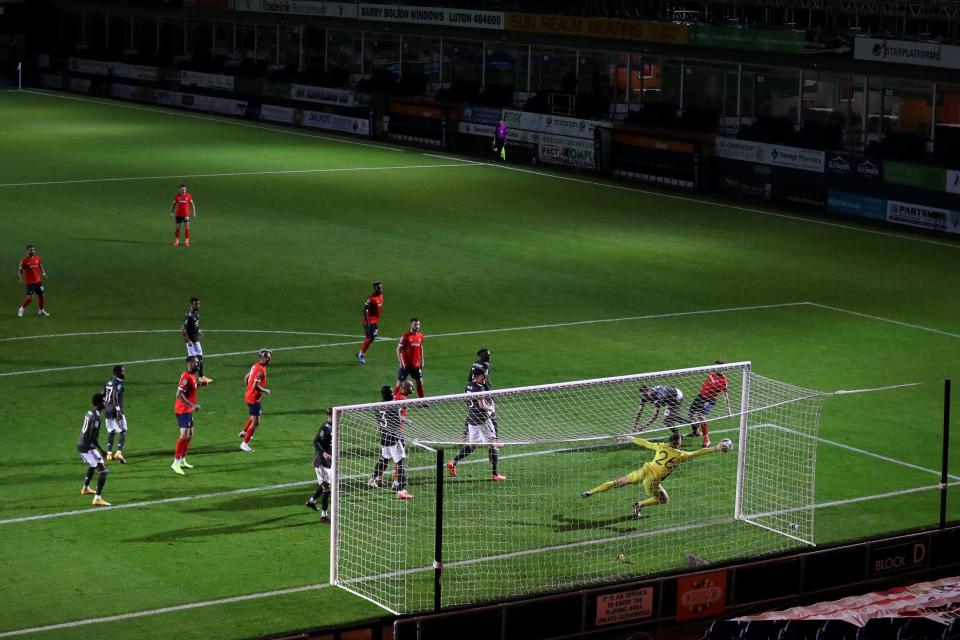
(486,256)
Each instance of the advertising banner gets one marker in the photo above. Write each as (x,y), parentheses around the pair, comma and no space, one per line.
(953,181)
(899,51)
(938,601)
(522,120)
(300,7)
(51,81)
(285,115)
(178,99)
(770,154)
(481,115)
(80,85)
(624,605)
(918,215)
(851,166)
(572,127)
(474,129)
(207,80)
(472,18)
(852,204)
(915,175)
(706,35)
(342,97)
(117,69)
(701,596)
(565,151)
(598,27)
(333,122)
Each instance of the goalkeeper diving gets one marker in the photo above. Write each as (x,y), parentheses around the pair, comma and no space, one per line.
(667,457)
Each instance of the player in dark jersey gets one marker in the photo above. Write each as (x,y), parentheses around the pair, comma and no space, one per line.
(483,361)
(88,446)
(479,426)
(192,335)
(116,417)
(323,448)
(370,317)
(390,424)
(669,399)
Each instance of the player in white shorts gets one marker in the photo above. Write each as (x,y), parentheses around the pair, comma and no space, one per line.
(92,453)
(323,448)
(478,425)
(390,423)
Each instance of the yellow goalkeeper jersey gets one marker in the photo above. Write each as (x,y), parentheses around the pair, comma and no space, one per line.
(666,459)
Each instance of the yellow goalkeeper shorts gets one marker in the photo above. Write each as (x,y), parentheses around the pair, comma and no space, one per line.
(651,484)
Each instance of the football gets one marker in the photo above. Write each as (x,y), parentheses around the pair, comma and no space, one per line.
(726,444)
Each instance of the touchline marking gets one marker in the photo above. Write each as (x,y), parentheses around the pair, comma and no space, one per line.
(863,451)
(172,609)
(729,206)
(237,123)
(236,173)
(175,358)
(464,161)
(438,335)
(846,501)
(889,320)
(132,331)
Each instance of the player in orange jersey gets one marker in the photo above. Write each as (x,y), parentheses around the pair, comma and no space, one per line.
(410,356)
(181,209)
(184,407)
(371,319)
(256,379)
(712,388)
(32,275)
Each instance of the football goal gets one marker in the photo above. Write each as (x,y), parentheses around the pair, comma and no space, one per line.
(476,497)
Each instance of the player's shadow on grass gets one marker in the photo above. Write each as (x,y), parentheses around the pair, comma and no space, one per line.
(563,524)
(299,412)
(121,241)
(292,497)
(302,519)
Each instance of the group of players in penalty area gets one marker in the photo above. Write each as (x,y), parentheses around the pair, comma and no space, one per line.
(480,426)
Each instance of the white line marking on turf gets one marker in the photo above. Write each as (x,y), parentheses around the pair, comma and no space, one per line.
(234,174)
(786,216)
(172,609)
(889,320)
(465,161)
(176,358)
(236,123)
(846,501)
(132,331)
(438,335)
(862,451)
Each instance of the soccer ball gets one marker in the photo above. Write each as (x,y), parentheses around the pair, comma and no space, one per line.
(725,445)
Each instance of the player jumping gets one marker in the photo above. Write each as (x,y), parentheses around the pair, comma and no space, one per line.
(181,209)
(713,386)
(667,458)
(372,307)
(255,380)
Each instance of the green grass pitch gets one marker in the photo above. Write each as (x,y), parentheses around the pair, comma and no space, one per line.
(292,229)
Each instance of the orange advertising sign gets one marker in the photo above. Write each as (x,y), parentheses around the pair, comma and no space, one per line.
(598,27)
(701,596)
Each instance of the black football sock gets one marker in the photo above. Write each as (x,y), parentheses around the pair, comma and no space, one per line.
(101,480)
(379,469)
(325,499)
(401,475)
(123,440)
(465,450)
(494,455)
(316,494)
(110,441)
(200,366)
(86,481)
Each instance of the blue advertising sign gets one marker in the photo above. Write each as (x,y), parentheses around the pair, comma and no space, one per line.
(853,204)
(481,115)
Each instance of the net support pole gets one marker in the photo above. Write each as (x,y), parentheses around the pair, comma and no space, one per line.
(742,445)
(944,465)
(438,535)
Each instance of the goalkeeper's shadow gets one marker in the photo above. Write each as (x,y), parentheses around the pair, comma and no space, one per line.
(564,524)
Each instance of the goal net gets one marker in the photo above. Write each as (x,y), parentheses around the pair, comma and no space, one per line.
(532,531)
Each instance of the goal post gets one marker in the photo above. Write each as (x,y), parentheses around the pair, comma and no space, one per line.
(485,538)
